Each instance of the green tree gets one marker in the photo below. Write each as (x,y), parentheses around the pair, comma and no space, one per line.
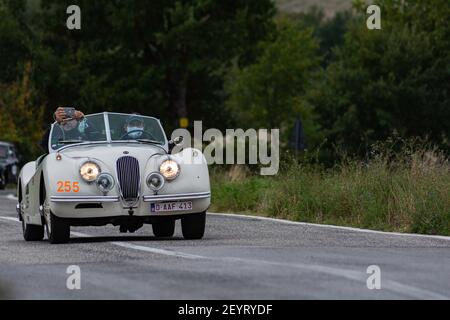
(166,58)
(329,32)
(20,117)
(20,111)
(266,93)
(390,80)
(14,41)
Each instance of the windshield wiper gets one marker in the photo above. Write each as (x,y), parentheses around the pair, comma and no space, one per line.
(69,141)
(149,141)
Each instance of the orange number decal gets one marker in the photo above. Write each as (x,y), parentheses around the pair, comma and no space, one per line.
(60,186)
(68,186)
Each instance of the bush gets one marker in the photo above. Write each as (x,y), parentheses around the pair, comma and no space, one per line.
(404,191)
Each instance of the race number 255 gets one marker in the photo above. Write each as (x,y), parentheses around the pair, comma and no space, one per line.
(68,186)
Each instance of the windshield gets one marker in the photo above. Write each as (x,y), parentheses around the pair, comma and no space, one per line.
(91,128)
(135,127)
(122,127)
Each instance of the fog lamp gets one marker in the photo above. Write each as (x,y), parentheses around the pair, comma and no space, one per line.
(155,181)
(105,182)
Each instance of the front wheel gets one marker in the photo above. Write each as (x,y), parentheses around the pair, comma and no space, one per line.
(164,228)
(32,232)
(58,231)
(193,226)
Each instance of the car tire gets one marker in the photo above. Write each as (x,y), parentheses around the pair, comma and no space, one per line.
(164,228)
(32,232)
(193,226)
(59,231)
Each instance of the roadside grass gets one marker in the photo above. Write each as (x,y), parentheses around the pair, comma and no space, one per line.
(405,191)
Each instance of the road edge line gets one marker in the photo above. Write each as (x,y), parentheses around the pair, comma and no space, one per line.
(329,226)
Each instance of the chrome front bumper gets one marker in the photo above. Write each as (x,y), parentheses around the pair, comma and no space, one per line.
(153,198)
(84,199)
(177,197)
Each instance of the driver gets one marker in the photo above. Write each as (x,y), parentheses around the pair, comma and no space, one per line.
(68,126)
(134,127)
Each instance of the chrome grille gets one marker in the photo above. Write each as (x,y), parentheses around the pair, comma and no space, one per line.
(129,177)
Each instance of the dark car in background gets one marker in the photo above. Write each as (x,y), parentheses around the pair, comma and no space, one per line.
(9,162)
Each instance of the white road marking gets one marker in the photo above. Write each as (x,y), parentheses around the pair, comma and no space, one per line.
(158,251)
(11,197)
(415,292)
(10,219)
(130,245)
(390,285)
(144,248)
(329,226)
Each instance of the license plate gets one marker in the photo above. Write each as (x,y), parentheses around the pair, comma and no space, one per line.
(171,206)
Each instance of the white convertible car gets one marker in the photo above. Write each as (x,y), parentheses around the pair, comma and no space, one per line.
(98,172)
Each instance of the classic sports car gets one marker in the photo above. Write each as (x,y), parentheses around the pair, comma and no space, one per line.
(98,172)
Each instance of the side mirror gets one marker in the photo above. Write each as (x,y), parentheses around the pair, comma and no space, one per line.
(178,140)
(175,142)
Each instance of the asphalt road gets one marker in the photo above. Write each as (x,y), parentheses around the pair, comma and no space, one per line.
(239,258)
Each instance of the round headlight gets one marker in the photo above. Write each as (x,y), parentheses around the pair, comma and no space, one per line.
(169,169)
(105,182)
(155,181)
(89,171)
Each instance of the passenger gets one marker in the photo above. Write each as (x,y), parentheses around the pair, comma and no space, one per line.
(68,126)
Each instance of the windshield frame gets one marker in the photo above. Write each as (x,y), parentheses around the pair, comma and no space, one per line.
(164,145)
